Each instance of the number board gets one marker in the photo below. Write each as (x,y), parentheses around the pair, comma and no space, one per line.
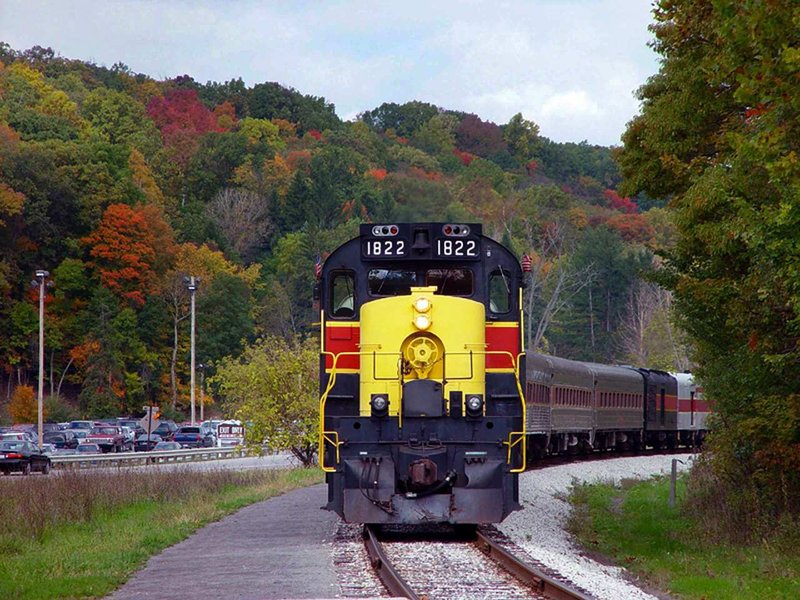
(423,241)
(456,248)
(388,247)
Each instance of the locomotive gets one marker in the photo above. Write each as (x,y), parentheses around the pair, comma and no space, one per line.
(429,405)
(422,408)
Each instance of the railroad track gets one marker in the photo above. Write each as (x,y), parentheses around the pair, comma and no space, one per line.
(454,564)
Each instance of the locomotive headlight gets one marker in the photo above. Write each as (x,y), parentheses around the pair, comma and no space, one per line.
(380,405)
(474,404)
(422,305)
(422,322)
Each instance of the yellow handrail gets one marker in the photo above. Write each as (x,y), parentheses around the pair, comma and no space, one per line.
(325,436)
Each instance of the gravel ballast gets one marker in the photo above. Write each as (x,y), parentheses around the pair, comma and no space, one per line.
(539,528)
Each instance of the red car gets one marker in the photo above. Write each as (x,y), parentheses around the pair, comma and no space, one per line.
(109,437)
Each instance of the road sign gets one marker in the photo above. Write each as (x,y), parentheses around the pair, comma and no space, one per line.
(149,422)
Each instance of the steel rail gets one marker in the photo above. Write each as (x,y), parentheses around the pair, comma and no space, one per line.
(538,580)
(394,582)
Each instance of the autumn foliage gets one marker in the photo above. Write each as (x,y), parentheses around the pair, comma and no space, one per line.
(617,202)
(23,407)
(123,250)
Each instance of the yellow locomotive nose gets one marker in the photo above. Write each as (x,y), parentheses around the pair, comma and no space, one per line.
(421,336)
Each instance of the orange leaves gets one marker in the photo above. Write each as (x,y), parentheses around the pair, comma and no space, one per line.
(123,252)
(377,174)
(81,353)
(632,228)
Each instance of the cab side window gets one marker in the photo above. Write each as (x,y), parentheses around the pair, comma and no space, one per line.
(341,296)
(499,292)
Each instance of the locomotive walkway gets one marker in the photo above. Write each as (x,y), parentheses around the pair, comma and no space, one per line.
(278,548)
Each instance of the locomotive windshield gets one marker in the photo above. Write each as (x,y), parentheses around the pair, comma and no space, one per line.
(398,282)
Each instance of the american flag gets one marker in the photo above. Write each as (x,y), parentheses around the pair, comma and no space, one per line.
(526,263)
(318,267)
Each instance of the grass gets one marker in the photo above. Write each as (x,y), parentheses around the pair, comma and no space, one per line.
(633,525)
(81,535)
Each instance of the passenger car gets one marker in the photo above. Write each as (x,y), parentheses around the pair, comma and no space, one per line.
(22,456)
(89,448)
(145,443)
(194,436)
(167,446)
(61,439)
(108,437)
(166,429)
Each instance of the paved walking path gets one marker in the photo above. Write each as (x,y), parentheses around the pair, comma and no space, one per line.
(279,548)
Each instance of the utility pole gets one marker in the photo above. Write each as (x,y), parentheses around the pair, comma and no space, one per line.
(202,368)
(191,285)
(41,276)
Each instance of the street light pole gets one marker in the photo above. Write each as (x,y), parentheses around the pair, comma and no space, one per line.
(41,275)
(192,287)
(202,368)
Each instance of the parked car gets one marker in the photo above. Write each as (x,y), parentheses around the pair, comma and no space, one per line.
(61,439)
(194,436)
(108,437)
(22,456)
(49,449)
(167,446)
(89,448)
(134,424)
(166,429)
(87,425)
(145,443)
(14,436)
(130,437)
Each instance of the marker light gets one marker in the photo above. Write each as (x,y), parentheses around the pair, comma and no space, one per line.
(422,305)
(422,322)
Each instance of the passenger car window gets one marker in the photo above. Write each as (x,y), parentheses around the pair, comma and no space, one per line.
(499,292)
(342,295)
(391,282)
(451,282)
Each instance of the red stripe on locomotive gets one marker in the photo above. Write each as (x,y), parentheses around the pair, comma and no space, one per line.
(502,339)
(342,339)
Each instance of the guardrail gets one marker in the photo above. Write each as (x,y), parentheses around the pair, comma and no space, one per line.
(81,461)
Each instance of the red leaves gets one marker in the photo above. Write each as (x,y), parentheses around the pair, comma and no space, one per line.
(315,133)
(181,110)
(465,157)
(123,249)
(617,202)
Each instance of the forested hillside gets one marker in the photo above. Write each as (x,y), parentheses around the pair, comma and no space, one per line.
(120,186)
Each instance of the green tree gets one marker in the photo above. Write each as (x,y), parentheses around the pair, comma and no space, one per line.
(274,387)
(522,137)
(719,134)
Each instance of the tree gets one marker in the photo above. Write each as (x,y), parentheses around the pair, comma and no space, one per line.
(23,407)
(719,135)
(522,137)
(274,387)
(123,252)
(243,218)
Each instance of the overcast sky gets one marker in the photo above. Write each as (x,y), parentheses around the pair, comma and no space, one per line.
(572,66)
